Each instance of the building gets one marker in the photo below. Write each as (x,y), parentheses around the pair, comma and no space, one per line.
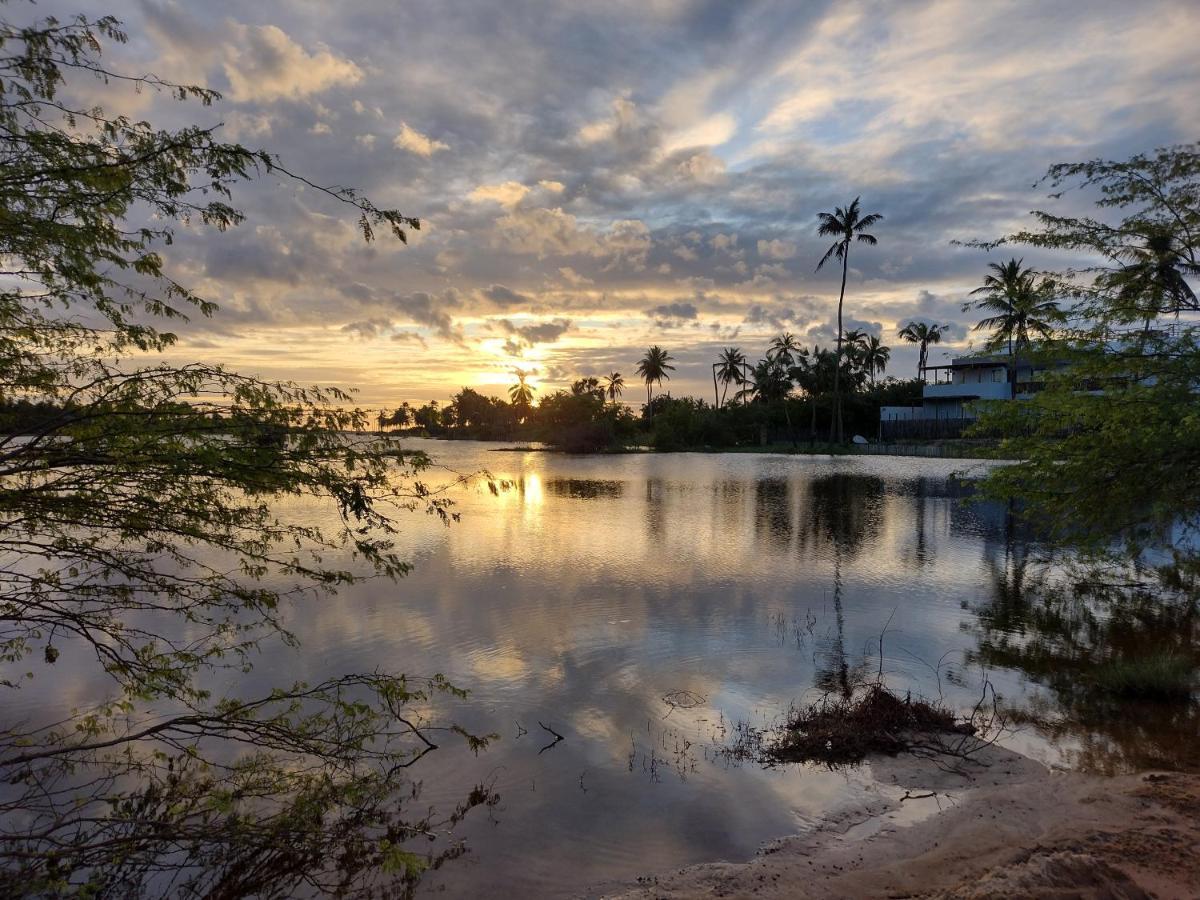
(952,395)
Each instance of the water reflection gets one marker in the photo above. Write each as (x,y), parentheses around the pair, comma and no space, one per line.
(585,489)
(598,586)
(1065,638)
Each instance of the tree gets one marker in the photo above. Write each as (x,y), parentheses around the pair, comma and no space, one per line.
(1152,279)
(874,357)
(814,373)
(614,385)
(1107,448)
(521,393)
(653,368)
(402,416)
(589,386)
(140,533)
(848,225)
(784,347)
(729,368)
(1022,307)
(922,334)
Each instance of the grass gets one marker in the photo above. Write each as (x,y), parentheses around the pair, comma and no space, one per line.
(1165,676)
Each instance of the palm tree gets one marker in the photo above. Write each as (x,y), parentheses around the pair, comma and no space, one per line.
(784,348)
(521,393)
(1020,305)
(847,225)
(1153,279)
(769,380)
(614,385)
(874,356)
(1022,308)
(728,370)
(924,334)
(653,368)
(853,342)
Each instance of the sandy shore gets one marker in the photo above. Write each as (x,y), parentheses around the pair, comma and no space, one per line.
(1010,828)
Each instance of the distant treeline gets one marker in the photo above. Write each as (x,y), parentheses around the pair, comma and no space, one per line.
(791,395)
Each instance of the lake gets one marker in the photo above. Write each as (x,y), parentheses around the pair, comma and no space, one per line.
(597,586)
(641,606)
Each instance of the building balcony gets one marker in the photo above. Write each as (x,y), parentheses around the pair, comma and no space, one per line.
(985,390)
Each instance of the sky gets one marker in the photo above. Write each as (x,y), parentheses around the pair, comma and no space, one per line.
(593,178)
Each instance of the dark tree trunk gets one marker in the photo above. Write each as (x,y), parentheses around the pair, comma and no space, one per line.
(835,423)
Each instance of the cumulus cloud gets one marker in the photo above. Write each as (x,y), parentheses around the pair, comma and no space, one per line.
(684,154)
(667,315)
(776,249)
(508,194)
(414,142)
(421,308)
(523,337)
(503,296)
(552,232)
(263,64)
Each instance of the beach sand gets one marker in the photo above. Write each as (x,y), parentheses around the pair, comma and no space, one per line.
(1008,828)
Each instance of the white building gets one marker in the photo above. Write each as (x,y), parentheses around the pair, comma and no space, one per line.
(953,393)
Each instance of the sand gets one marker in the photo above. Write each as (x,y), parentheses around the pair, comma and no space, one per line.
(1007,828)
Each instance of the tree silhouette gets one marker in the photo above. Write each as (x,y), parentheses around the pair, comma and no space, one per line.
(873,357)
(1152,280)
(848,225)
(653,368)
(614,385)
(923,334)
(728,370)
(521,394)
(1021,306)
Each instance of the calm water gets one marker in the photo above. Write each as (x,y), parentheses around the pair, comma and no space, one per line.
(597,586)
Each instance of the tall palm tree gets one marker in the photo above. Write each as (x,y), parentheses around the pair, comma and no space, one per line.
(847,225)
(614,385)
(653,368)
(924,334)
(521,393)
(1021,308)
(728,370)
(874,356)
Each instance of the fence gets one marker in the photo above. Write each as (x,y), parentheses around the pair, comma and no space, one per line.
(923,429)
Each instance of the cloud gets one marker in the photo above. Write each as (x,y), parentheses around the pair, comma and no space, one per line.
(552,233)
(503,296)
(263,64)
(667,315)
(367,329)
(777,318)
(680,159)
(508,194)
(414,142)
(776,249)
(573,278)
(422,308)
(525,337)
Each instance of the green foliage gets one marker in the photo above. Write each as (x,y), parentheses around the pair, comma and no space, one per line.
(1110,445)
(1157,675)
(142,528)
